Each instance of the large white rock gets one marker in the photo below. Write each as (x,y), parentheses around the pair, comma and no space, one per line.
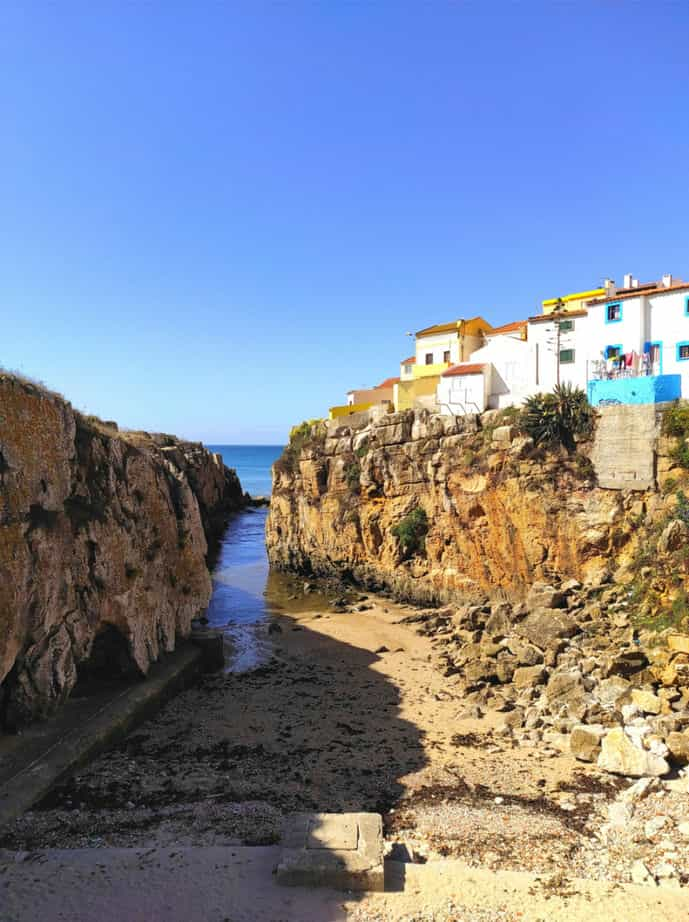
(621,756)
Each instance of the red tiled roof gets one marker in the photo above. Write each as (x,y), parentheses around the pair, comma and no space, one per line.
(626,293)
(387,383)
(557,315)
(464,369)
(410,361)
(508,327)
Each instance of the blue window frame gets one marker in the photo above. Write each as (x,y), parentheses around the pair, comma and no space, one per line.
(612,352)
(683,352)
(686,306)
(613,312)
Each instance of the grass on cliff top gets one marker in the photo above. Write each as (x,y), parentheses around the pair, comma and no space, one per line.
(31,384)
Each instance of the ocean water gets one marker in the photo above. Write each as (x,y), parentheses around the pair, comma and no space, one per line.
(252,463)
(245,593)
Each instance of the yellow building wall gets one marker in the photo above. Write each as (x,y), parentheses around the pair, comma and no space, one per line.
(348,409)
(573,302)
(429,371)
(408,391)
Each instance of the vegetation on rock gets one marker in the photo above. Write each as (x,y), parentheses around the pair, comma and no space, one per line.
(676,425)
(559,418)
(411,532)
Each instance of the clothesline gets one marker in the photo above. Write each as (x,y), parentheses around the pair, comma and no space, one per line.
(623,365)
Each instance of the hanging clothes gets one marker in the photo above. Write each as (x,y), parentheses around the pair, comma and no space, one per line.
(628,356)
(636,362)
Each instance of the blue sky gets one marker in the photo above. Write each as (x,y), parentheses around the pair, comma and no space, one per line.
(215,219)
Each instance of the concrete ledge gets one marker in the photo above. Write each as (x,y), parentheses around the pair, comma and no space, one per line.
(343,851)
(48,752)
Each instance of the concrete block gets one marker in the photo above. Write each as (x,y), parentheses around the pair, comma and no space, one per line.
(339,850)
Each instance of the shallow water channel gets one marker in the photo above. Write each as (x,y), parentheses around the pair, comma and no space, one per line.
(247,593)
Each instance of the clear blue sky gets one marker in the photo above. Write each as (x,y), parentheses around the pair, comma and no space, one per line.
(216,218)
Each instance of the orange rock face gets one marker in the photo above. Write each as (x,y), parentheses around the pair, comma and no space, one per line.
(98,530)
(499,515)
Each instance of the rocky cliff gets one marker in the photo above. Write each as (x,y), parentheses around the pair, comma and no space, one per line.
(499,513)
(103,542)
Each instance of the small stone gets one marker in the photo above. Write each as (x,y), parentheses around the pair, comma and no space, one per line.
(655,825)
(641,875)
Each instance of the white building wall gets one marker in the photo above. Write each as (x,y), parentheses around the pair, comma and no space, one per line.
(542,337)
(514,369)
(458,395)
(660,318)
(668,324)
(438,344)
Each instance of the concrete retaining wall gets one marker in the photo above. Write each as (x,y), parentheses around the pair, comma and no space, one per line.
(625,446)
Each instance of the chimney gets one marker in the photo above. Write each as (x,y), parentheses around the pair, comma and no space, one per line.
(610,289)
(628,280)
(635,283)
(667,281)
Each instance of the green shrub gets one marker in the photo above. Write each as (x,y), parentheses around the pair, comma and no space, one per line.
(352,473)
(411,532)
(669,486)
(558,418)
(676,424)
(362,450)
(676,420)
(584,466)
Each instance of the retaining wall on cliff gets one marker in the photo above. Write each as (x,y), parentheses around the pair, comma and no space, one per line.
(501,514)
(102,545)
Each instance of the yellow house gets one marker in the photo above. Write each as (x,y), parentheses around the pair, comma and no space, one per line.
(437,348)
(573,302)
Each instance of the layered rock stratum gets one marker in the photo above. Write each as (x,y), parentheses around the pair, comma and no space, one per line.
(103,543)
(501,514)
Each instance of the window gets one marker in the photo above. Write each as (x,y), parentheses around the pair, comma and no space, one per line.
(613,352)
(613,313)
(686,305)
(682,352)
(566,356)
(446,355)
(407,369)
(429,358)
(566,326)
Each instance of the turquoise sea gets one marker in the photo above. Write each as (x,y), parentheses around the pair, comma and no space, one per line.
(252,463)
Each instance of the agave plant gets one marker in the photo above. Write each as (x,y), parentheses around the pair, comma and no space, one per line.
(558,418)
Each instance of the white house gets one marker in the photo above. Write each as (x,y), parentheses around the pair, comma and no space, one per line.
(464,389)
(641,331)
(512,361)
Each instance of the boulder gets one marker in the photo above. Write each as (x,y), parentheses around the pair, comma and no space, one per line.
(528,676)
(585,741)
(499,622)
(545,626)
(678,643)
(612,692)
(626,663)
(543,596)
(566,690)
(674,536)
(622,756)
(526,653)
(647,701)
(678,744)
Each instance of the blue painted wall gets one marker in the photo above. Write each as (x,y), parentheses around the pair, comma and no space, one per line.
(650,389)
